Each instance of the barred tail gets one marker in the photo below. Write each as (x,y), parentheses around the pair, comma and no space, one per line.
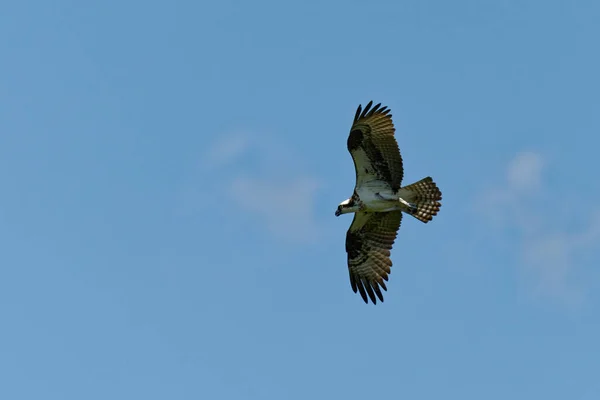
(425,196)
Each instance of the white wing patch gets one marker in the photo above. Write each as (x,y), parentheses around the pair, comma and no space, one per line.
(364,169)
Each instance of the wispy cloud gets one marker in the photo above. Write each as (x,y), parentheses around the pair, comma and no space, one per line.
(524,172)
(264,180)
(285,208)
(549,251)
(225,150)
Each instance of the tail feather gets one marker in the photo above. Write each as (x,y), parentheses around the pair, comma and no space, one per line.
(426,197)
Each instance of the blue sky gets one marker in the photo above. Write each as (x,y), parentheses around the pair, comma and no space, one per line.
(169,173)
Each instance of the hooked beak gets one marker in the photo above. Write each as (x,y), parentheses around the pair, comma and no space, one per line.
(337,213)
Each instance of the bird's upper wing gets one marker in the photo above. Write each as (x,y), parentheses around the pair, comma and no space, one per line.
(368,243)
(373,147)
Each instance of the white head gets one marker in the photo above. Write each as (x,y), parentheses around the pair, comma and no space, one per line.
(346,206)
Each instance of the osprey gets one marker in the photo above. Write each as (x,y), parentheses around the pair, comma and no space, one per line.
(379,200)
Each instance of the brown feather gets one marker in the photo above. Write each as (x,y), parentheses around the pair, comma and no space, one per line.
(368,243)
(373,132)
(426,196)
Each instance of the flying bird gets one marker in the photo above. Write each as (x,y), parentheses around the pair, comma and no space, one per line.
(379,200)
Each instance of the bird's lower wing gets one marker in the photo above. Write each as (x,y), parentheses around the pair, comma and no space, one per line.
(369,241)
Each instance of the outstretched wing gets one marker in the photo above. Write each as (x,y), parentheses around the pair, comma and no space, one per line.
(373,148)
(368,244)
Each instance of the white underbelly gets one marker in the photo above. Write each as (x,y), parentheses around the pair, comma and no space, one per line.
(378,197)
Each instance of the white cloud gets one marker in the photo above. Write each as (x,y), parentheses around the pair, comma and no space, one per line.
(264,181)
(550,251)
(285,208)
(524,172)
(225,150)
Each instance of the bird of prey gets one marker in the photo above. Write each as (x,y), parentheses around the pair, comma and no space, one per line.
(379,200)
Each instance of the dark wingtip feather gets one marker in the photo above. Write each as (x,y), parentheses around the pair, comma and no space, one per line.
(358,111)
(374,110)
(353,282)
(382,284)
(369,288)
(361,289)
(378,292)
(368,111)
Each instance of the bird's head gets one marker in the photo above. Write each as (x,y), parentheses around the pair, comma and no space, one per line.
(338,212)
(345,206)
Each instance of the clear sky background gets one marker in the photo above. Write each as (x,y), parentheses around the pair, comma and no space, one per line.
(169,173)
